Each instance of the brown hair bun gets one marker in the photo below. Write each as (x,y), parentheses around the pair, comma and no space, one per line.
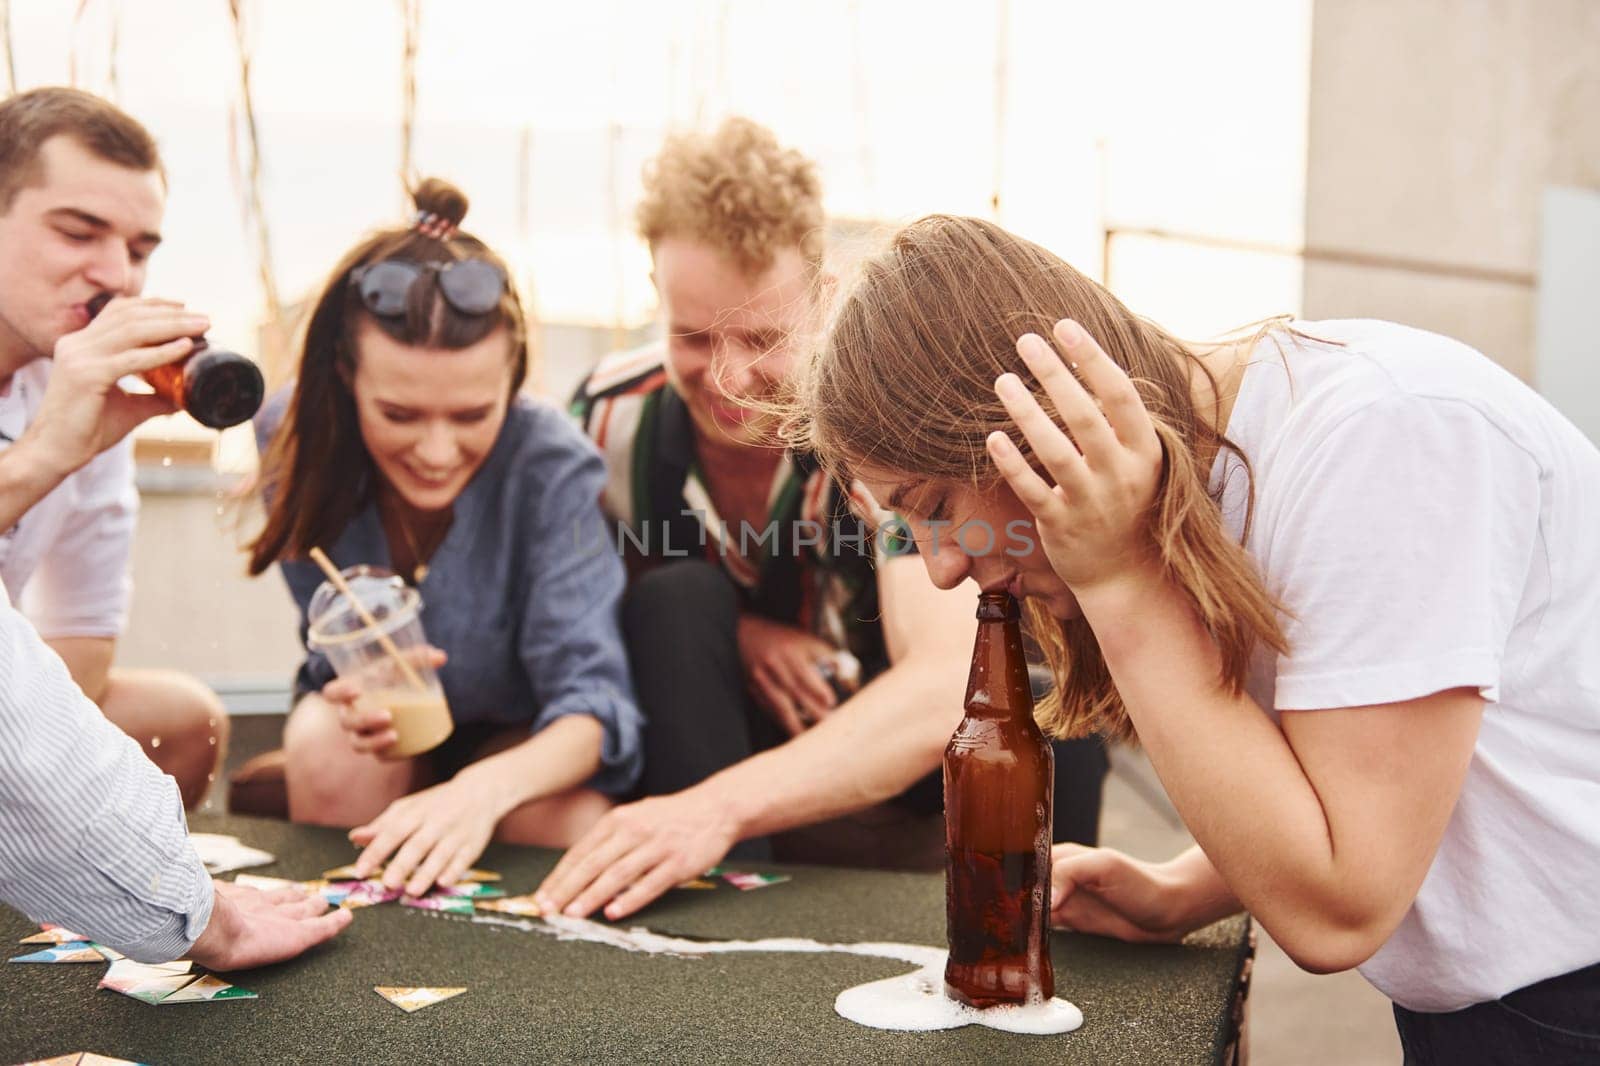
(435,196)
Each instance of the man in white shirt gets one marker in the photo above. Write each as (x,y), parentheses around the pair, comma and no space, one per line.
(92,836)
(82,194)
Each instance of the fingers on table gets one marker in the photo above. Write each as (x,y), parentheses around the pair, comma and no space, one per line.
(580,866)
(615,880)
(645,889)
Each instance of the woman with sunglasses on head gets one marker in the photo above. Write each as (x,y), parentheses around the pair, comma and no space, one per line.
(405,445)
(1341,580)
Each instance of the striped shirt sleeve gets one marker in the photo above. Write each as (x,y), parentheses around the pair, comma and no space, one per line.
(92,834)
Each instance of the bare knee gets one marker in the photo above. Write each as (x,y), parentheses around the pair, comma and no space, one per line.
(200,731)
(554,821)
(181,724)
(328,782)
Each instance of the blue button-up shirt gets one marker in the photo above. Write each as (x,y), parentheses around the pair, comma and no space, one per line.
(523,592)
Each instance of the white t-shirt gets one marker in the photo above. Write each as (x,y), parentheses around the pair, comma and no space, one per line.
(1429,522)
(66,562)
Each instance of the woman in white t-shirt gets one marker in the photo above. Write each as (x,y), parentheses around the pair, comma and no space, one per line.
(1341,580)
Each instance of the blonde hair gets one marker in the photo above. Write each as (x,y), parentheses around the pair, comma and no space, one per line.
(737,190)
(904,382)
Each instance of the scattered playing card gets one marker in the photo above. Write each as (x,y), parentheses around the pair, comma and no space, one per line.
(168,982)
(414,999)
(367,894)
(205,989)
(129,968)
(149,984)
(223,854)
(348,873)
(81,1058)
(332,891)
(521,906)
(698,882)
(469,890)
(480,875)
(82,951)
(53,934)
(744,882)
(444,904)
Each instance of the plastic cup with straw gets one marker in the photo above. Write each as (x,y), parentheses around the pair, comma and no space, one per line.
(368,624)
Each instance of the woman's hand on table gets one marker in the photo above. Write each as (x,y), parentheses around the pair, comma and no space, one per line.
(250,928)
(369,728)
(1104,892)
(637,852)
(430,837)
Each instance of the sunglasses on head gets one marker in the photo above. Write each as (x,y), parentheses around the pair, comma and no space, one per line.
(471,286)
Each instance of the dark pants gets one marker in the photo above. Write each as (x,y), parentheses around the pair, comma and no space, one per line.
(1552,1023)
(681,626)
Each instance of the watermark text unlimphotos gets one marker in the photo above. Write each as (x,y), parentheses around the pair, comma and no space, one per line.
(667,538)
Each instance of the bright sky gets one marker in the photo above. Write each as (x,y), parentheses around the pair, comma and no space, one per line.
(1159,113)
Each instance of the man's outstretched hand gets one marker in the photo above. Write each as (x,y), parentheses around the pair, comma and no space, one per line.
(637,852)
(251,928)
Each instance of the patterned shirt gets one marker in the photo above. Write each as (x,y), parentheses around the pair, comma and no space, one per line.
(812,566)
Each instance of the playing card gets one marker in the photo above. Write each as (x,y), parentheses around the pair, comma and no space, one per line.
(369,893)
(81,1058)
(223,854)
(348,873)
(469,890)
(332,891)
(81,951)
(480,875)
(744,882)
(414,999)
(145,987)
(168,982)
(521,906)
(443,904)
(206,989)
(698,882)
(53,934)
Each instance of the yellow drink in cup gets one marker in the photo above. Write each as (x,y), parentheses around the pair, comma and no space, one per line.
(421,720)
(385,651)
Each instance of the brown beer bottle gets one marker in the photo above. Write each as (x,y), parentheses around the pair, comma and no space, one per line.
(999,774)
(218,388)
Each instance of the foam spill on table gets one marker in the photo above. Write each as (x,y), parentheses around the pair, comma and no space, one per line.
(913,1002)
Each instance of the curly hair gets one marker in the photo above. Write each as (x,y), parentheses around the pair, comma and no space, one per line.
(736,189)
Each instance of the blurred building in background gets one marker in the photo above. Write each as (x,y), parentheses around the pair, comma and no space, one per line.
(1434,162)
(1214,164)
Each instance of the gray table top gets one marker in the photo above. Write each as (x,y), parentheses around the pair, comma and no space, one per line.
(533,998)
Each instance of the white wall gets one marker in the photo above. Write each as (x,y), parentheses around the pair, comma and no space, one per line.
(1569,288)
(1435,126)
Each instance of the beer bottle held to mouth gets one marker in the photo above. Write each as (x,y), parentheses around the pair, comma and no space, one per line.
(218,388)
(999,773)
